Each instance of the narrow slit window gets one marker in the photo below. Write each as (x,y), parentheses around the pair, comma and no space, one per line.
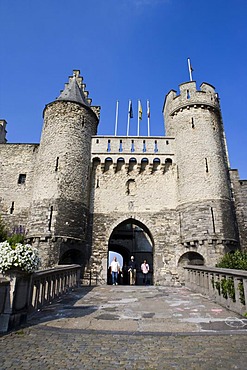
(206,164)
(121,146)
(144,149)
(109,146)
(57,161)
(132,146)
(12,208)
(213,220)
(155,146)
(50,218)
(167,142)
(22,178)
(188,94)
(192,123)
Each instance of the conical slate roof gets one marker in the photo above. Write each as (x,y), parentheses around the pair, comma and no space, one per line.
(72,92)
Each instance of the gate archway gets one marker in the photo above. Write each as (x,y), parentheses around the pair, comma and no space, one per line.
(131,237)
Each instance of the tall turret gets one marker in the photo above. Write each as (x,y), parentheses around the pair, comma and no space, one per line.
(60,205)
(204,192)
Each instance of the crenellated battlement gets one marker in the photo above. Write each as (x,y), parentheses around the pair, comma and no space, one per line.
(3,131)
(189,96)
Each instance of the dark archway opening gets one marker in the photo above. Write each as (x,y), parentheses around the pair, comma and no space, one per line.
(71,256)
(131,237)
(189,258)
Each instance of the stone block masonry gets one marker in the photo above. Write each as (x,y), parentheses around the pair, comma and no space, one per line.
(172,200)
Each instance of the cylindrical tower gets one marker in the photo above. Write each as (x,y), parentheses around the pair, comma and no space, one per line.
(60,205)
(204,192)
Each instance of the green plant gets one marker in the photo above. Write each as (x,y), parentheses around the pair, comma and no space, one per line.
(241,292)
(236,260)
(218,286)
(15,239)
(224,288)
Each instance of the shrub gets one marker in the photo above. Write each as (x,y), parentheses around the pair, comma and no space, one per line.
(236,260)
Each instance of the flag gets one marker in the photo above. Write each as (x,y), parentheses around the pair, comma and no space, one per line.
(130,109)
(148,108)
(139,110)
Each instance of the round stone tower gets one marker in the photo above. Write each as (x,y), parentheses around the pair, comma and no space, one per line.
(205,207)
(60,206)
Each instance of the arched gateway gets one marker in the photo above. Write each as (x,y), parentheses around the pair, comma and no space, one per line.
(131,238)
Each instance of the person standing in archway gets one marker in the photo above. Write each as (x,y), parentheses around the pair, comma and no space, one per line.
(145,269)
(115,268)
(132,270)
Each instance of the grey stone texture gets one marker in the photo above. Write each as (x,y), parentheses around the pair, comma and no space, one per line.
(79,187)
(3,131)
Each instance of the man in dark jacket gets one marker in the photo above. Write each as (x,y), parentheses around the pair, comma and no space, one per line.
(132,270)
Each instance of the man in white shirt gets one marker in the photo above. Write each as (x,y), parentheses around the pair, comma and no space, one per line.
(115,268)
(145,269)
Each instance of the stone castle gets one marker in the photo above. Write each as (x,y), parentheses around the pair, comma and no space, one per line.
(172,200)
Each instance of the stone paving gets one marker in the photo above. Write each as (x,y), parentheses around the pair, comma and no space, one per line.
(126,327)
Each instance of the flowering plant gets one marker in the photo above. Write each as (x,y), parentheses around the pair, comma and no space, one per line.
(21,256)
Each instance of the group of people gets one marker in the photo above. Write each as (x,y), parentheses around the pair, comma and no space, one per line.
(128,272)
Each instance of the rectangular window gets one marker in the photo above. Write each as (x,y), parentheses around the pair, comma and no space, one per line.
(12,208)
(22,178)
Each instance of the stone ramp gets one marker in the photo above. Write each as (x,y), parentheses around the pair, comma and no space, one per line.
(123,327)
(138,309)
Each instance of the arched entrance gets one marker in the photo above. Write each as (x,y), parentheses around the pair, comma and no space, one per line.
(131,237)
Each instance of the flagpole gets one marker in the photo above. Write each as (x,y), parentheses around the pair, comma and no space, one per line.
(128,123)
(190,69)
(116,121)
(138,122)
(148,114)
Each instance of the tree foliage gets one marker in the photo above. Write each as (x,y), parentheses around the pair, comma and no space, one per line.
(236,260)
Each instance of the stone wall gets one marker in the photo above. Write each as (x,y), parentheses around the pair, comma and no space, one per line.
(17,162)
(239,191)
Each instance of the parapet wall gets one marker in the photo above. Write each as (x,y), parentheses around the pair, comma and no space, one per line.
(126,148)
(190,96)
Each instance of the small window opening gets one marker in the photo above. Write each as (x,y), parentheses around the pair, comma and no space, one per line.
(57,161)
(97,183)
(12,208)
(144,149)
(97,141)
(109,146)
(22,179)
(213,221)
(192,123)
(130,187)
(121,146)
(167,142)
(50,218)
(155,146)
(206,164)
(188,94)
(168,163)
(132,146)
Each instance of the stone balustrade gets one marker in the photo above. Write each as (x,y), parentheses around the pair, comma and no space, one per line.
(225,286)
(22,293)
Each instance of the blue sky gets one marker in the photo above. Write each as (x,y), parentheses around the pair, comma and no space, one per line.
(125,49)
